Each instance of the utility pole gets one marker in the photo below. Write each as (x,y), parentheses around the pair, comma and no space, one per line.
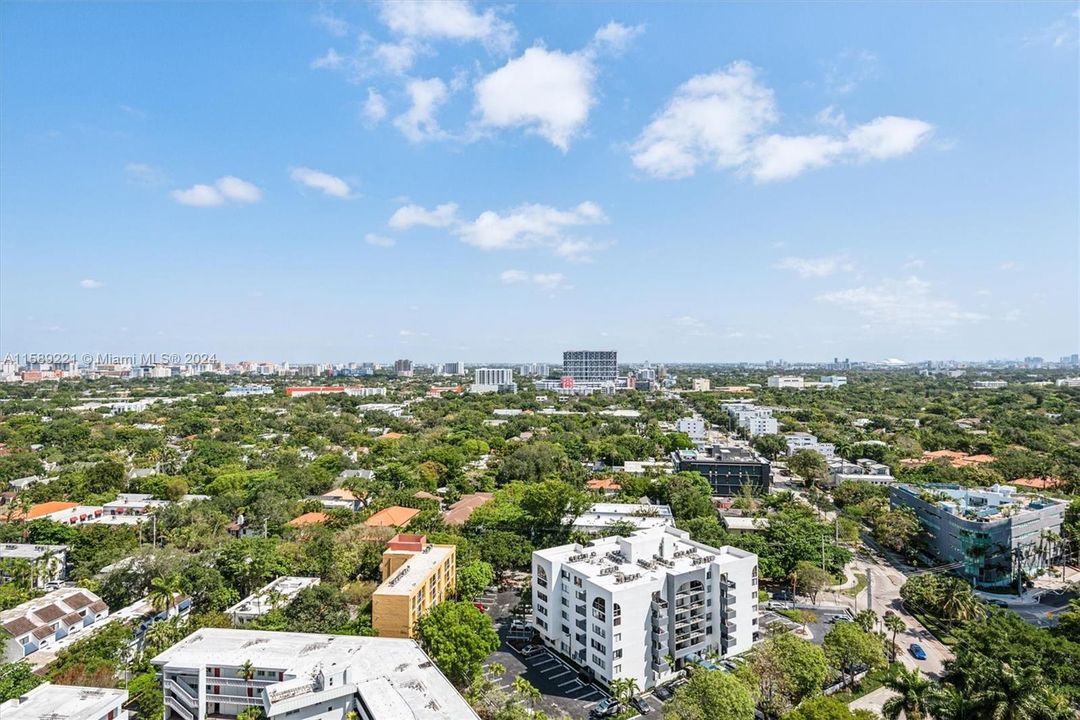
(869,589)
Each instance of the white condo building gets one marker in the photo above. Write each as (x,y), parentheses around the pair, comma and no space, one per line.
(66,702)
(694,427)
(304,677)
(751,418)
(489,380)
(620,606)
(793,382)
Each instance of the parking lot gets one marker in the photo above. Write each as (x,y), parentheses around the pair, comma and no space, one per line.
(563,690)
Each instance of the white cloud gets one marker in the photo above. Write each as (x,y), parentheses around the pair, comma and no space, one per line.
(379,240)
(225,189)
(616,37)
(577,249)
(332,60)
(448,20)
(848,70)
(412,215)
(902,304)
(396,58)
(199,196)
(527,225)
(548,281)
(89,284)
(143,174)
(816,267)
(374,107)
(511,277)
(329,184)
(547,92)
(332,24)
(418,123)
(720,120)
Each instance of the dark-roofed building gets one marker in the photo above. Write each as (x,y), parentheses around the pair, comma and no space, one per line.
(40,623)
(727,469)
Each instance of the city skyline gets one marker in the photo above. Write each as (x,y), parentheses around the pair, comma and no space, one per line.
(384,181)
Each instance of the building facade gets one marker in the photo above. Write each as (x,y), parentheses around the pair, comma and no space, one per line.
(727,469)
(789,382)
(219,673)
(47,563)
(751,419)
(591,365)
(416,577)
(40,623)
(996,532)
(66,702)
(637,607)
(488,380)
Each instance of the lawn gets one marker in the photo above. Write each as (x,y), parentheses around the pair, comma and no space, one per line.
(860,585)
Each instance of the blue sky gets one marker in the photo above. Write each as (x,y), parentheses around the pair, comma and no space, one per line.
(681,182)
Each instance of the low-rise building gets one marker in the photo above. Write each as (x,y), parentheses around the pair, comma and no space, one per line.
(603,486)
(48,563)
(278,593)
(693,427)
(989,384)
(340,498)
(416,576)
(700,384)
(807,441)
(459,512)
(754,420)
(637,607)
(37,624)
(788,382)
(247,390)
(395,516)
(832,381)
(220,672)
(994,533)
(862,470)
(727,469)
(739,524)
(1068,382)
(601,516)
(66,702)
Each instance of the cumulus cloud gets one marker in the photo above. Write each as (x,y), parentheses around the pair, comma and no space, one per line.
(848,70)
(527,226)
(331,23)
(143,174)
(902,304)
(90,284)
(816,267)
(418,123)
(548,281)
(409,216)
(448,20)
(396,58)
(546,92)
(374,107)
(379,240)
(721,120)
(226,189)
(329,184)
(331,60)
(616,37)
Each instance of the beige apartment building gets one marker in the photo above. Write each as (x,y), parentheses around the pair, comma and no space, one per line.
(416,576)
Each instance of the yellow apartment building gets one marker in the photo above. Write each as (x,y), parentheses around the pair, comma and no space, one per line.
(416,576)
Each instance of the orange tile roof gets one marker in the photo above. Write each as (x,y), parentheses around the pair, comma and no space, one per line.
(460,512)
(391,436)
(310,518)
(1039,483)
(602,484)
(395,516)
(340,494)
(46,508)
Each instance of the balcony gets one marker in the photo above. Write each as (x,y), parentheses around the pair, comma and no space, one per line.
(730,613)
(659,604)
(580,624)
(579,609)
(579,595)
(579,638)
(182,690)
(235,699)
(660,664)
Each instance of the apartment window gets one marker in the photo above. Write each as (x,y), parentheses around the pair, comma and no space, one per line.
(542,596)
(618,637)
(616,614)
(564,574)
(565,630)
(577,581)
(541,577)
(599,630)
(542,623)
(541,609)
(617,654)
(565,602)
(598,661)
(598,646)
(616,670)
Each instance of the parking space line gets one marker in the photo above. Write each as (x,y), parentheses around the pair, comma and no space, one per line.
(572,681)
(564,673)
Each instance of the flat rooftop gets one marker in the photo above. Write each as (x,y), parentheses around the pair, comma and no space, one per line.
(613,562)
(980,503)
(391,674)
(29,551)
(258,603)
(415,570)
(62,702)
(728,454)
(640,515)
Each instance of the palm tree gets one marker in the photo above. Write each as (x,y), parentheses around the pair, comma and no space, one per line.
(914,695)
(247,671)
(526,691)
(948,703)
(1009,695)
(866,619)
(896,624)
(624,688)
(163,592)
(957,600)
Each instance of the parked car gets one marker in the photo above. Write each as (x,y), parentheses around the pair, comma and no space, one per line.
(608,707)
(663,693)
(519,626)
(838,619)
(917,652)
(530,650)
(640,705)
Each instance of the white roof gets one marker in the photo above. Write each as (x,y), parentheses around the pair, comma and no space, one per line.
(641,515)
(735,522)
(389,672)
(415,570)
(66,702)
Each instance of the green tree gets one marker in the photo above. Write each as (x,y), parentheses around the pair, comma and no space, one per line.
(458,637)
(786,669)
(473,578)
(914,693)
(828,707)
(810,579)
(808,465)
(317,609)
(163,592)
(896,529)
(770,445)
(895,624)
(711,695)
(16,679)
(847,646)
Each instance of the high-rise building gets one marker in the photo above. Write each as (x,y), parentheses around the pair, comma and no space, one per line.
(631,607)
(403,368)
(591,365)
(489,380)
(453,368)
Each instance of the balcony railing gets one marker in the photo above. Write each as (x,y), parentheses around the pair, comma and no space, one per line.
(174,705)
(182,691)
(234,699)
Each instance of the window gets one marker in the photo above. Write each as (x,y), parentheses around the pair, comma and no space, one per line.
(599,630)
(542,596)
(565,602)
(616,614)
(599,609)
(565,615)
(542,623)
(541,609)
(598,646)
(618,637)
(541,576)
(617,654)
(617,669)
(598,661)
